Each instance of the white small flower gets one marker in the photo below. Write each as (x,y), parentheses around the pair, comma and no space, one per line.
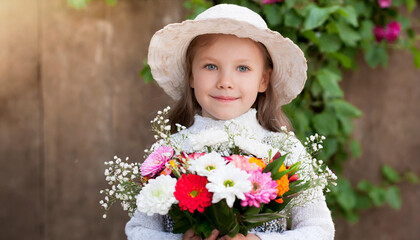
(227,183)
(254,147)
(157,196)
(207,164)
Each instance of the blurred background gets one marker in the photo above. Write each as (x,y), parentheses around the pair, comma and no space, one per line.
(71,97)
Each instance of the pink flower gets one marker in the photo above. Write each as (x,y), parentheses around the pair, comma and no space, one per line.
(385,3)
(270,1)
(263,189)
(194,156)
(393,30)
(243,163)
(390,32)
(156,161)
(379,33)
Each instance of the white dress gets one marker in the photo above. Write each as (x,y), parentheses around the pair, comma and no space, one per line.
(312,222)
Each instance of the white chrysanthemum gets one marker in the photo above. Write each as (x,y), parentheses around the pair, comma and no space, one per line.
(207,164)
(254,147)
(227,183)
(157,196)
(208,137)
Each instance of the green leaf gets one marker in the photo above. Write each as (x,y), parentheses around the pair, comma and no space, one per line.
(111,2)
(146,73)
(377,195)
(390,174)
(78,4)
(291,19)
(347,34)
(311,36)
(317,16)
(329,43)
(363,202)
(343,58)
(411,5)
(411,177)
(376,55)
(416,54)
(346,196)
(350,15)
(329,82)
(346,125)
(365,186)
(325,123)
(221,216)
(273,14)
(275,165)
(346,109)
(393,197)
(355,149)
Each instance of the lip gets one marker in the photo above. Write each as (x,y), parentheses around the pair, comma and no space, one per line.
(225,98)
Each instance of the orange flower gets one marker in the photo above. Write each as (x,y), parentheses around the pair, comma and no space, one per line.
(282,183)
(258,161)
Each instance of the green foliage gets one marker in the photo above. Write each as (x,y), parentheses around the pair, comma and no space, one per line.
(80,4)
(331,32)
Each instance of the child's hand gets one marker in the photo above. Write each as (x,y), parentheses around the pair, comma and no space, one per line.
(239,236)
(189,235)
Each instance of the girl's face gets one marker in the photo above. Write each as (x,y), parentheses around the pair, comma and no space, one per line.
(227,76)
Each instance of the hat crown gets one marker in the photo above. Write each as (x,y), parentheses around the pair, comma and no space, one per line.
(234,12)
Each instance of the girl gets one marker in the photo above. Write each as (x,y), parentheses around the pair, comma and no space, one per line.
(223,65)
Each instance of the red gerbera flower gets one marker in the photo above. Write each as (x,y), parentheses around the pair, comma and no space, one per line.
(192,194)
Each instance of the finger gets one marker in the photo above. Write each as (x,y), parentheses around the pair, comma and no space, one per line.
(213,235)
(188,234)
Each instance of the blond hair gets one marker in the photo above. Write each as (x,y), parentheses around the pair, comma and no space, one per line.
(269,113)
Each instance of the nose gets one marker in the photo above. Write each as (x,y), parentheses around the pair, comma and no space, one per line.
(225,80)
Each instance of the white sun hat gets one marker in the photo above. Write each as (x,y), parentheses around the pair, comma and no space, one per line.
(168,47)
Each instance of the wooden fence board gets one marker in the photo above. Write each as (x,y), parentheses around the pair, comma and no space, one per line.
(21,154)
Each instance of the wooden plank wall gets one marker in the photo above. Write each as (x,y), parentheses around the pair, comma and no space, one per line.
(71,98)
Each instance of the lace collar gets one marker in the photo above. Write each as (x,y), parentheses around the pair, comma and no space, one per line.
(247,120)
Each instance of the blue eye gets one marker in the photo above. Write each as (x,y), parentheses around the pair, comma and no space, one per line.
(242,69)
(210,67)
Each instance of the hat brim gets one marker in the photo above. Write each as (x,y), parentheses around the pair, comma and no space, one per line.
(169,45)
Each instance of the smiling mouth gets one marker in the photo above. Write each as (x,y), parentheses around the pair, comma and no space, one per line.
(224,98)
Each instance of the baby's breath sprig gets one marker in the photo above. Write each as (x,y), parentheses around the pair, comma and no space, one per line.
(313,144)
(160,125)
(124,178)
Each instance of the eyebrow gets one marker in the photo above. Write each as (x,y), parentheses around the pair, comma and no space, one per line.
(215,60)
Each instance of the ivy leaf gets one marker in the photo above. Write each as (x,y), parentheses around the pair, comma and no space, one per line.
(377,195)
(111,2)
(146,73)
(78,4)
(355,149)
(273,14)
(346,196)
(411,177)
(346,125)
(393,197)
(411,5)
(311,36)
(329,43)
(363,202)
(390,174)
(350,15)
(375,55)
(346,61)
(347,34)
(325,123)
(346,109)
(329,82)
(416,54)
(365,186)
(291,19)
(317,16)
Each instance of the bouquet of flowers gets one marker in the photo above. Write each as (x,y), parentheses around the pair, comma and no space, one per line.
(227,180)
